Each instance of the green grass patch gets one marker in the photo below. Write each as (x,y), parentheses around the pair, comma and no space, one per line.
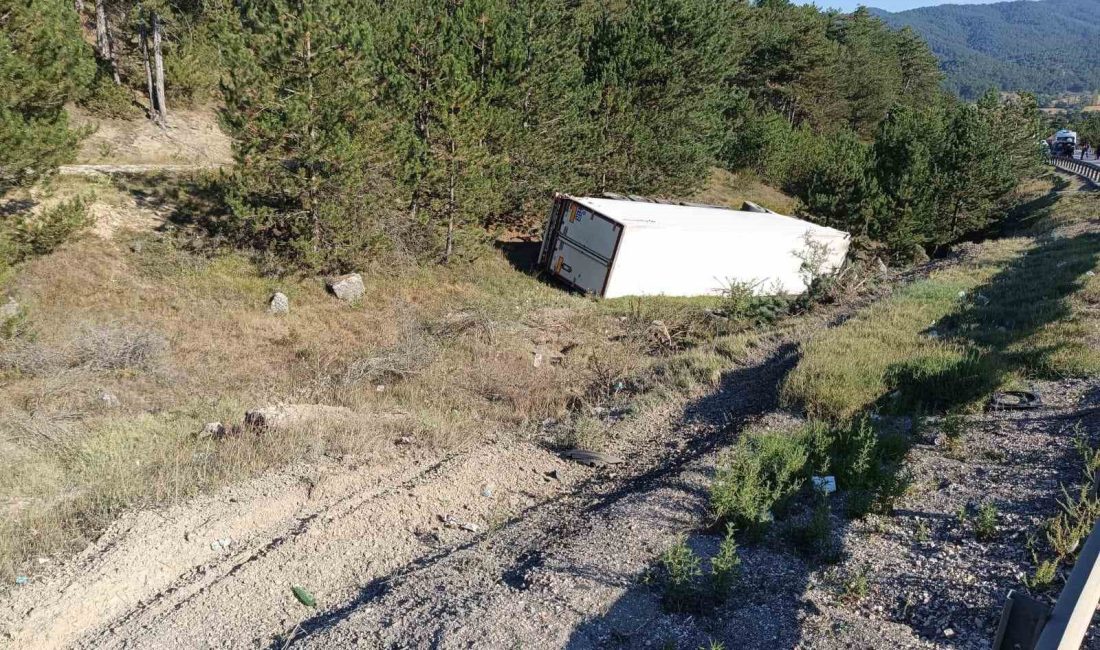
(1020,310)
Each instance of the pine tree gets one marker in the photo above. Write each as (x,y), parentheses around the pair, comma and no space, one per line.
(299,103)
(44,63)
(656,72)
(448,77)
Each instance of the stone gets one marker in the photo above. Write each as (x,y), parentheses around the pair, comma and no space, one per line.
(346,287)
(109,400)
(213,429)
(279,304)
(9,310)
(286,416)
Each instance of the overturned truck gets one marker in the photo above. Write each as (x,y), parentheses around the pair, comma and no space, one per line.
(632,246)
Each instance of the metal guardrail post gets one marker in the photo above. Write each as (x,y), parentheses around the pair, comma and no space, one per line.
(1069,621)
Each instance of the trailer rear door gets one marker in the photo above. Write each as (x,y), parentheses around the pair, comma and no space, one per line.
(583,270)
(593,231)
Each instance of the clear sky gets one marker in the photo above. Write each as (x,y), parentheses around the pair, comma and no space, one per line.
(892,5)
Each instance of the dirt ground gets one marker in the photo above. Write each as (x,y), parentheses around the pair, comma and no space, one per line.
(192,139)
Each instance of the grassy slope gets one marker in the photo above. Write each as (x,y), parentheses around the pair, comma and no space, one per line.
(180,334)
(1018,308)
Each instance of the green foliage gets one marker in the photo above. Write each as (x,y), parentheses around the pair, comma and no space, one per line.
(985,522)
(1041,47)
(25,235)
(44,63)
(757,478)
(105,98)
(681,569)
(725,566)
(305,190)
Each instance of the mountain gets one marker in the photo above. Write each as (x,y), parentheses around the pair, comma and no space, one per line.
(1042,46)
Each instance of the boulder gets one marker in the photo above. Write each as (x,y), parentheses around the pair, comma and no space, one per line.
(286,416)
(279,304)
(346,287)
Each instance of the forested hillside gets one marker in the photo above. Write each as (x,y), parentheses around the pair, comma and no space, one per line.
(1045,46)
(410,130)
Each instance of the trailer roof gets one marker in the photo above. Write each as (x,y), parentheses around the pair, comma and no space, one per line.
(665,216)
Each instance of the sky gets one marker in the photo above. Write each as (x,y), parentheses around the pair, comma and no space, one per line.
(892,5)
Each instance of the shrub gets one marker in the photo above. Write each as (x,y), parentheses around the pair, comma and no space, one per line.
(105,98)
(725,567)
(117,347)
(681,568)
(758,477)
(985,524)
(26,235)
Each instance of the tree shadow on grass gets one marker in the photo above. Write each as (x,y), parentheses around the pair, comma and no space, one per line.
(997,330)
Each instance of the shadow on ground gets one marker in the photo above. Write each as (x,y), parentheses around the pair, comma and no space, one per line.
(999,323)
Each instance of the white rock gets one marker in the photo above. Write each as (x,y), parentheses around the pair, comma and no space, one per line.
(9,310)
(284,416)
(347,287)
(279,304)
(109,400)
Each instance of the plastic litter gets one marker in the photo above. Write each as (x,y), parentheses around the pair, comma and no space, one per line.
(824,484)
(303,596)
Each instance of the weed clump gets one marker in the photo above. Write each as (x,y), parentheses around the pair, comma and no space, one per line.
(686,588)
(758,477)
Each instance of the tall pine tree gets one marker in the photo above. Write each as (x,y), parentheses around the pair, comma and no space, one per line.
(299,102)
(44,63)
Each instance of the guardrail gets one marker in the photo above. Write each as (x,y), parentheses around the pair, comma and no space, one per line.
(1027,624)
(1090,171)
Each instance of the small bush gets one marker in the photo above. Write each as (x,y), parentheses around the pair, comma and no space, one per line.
(117,347)
(856,585)
(725,567)
(105,98)
(1043,578)
(681,568)
(757,477)
(985,523)
(26,235)
(813,538)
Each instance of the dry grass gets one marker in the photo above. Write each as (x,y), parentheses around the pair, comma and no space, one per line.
(733,189)
(179,332)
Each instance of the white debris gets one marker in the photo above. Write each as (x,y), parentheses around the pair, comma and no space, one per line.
(826,484)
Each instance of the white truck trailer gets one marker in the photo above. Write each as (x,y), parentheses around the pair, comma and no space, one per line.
(613,247)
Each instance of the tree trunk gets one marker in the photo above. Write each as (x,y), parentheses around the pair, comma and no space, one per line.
(154,111)
(158,62)
(103,38)
(449,250)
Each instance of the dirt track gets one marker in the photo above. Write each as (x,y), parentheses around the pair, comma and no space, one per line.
(369,543)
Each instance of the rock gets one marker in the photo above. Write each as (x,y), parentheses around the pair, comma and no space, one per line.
(213,429)
(451,522)
(9,310)
(404,440)
(591,458)
(285,416)
(279,304)
(487,490)
(346,287)
(222,544)
(553,474)
(109,400)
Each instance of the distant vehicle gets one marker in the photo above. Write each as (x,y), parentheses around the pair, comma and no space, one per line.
(1065,143)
